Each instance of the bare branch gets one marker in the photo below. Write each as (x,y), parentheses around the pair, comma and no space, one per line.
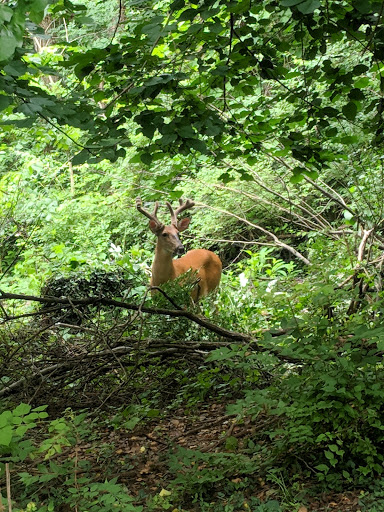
(276,240)
(202,321)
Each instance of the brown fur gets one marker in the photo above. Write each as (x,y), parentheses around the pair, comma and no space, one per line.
(208,266)
(164,268)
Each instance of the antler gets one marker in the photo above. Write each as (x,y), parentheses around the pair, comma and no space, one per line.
(188,204)
(151,216)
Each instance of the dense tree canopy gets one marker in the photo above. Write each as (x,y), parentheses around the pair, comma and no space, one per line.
(297,79)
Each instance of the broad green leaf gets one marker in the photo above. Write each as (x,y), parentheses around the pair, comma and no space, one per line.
(349,139)
(297,178)
(221,354)
(309,6)
(16,68)
(359,69)
(350,110)
(8,45)
(36,11)
(5,101)
(22,410)
(168,138)
(323,468)
(188,14)
(225,177)
(347,215)
(22,429)
(85,20)
(148,130)
(290,3)
(5,13)
(146,158)
(81,157)
(5,418)
(363,6)
(186,132)
(245,176)
(131,423)
(197,144)
(216,27)
(362,82)
(177,5)
(6,434)
(29,109)
(220,70)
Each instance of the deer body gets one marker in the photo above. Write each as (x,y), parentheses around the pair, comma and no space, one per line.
(164,268)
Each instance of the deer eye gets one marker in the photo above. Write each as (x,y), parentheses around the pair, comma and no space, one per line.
(165,234)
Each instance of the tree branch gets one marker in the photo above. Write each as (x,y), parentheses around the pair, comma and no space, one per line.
(182,313)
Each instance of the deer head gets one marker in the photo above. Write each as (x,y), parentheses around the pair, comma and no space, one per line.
(167,235)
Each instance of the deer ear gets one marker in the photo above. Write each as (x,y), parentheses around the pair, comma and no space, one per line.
(183,224)
(153,226)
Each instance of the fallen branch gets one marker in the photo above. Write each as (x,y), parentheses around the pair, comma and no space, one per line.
(178,313)
(153,349)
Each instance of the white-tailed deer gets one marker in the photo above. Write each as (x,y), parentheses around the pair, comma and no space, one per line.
(165,268)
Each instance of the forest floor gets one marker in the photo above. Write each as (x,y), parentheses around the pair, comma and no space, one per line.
(141,459)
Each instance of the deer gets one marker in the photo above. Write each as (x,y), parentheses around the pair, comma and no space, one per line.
(205,263)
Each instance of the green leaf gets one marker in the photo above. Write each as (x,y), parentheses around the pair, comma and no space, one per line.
(168,138)
(309,6)
(16,68)
(146,158)
(323,468)
(359,69)
(297,178)
(81,157)
(36,10)
(188,15)
(6,434)
(186,132)
(220,70)
(177,5)
(131,423)
(148,130)
(362,82)
(225,177)
(356,94)
(5,101)
(8,45)
(290,3)
(29,109)
(363,6)
(5,13)
(350,110)
(347,215)
(349,139)
(197,144)
(221,354)
(22,410)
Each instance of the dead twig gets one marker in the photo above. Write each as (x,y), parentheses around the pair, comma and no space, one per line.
(8,484)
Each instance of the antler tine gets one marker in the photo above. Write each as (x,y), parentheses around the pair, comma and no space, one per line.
(183,206)
(151,216)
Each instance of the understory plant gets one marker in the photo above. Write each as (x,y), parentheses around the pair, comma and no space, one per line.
(46,470)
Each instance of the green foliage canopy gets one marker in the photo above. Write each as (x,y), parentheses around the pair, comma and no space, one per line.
(221,79)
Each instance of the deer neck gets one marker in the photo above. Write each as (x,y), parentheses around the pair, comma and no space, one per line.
(162,267)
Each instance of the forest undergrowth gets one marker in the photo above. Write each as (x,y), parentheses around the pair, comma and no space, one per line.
(139,403)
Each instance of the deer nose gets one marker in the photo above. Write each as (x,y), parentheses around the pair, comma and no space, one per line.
(180,250)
